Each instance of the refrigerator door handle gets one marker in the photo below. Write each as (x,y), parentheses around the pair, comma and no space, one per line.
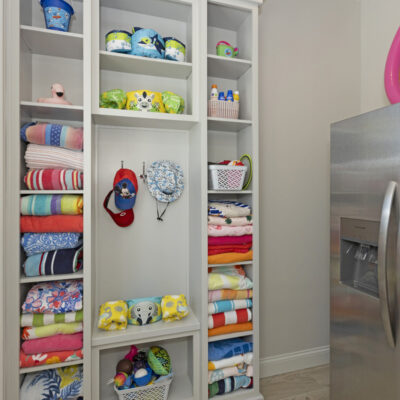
(389,201)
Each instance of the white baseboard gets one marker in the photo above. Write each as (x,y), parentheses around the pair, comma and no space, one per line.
(290,362)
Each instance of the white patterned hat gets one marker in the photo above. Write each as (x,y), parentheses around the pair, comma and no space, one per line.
(165,181)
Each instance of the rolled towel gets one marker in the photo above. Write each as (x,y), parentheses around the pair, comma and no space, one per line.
(53,135)
(36,320)
(49,157)
(228,305)
(54,262)
(222,230)
(37,243)
(229,318)
(52,223)
(32,360)
(235,221)
(53,343)
(54,179)
(37,332)
(52,204)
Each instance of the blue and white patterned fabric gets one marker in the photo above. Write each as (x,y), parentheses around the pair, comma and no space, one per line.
(35,243)
(228,348)
(165,181)
(61,384)
(147,43)
(215,209)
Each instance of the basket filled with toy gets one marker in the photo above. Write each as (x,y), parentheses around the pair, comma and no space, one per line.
(220,106)
(226,175)
(144,375)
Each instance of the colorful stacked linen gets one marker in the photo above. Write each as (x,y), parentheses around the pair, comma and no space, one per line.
(51,157)
(51,223)
(51,320)
(37,243)
(230,293)
(230,230)
(53,135)
(55,262)
(61,383)
(229,366)
(52,204)
(54,179)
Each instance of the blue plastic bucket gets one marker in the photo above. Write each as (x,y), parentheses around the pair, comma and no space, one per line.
(57,14)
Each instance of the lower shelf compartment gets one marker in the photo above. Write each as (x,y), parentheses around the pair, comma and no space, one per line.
(50,366)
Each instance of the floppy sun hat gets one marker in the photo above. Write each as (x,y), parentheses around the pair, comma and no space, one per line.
(165,182)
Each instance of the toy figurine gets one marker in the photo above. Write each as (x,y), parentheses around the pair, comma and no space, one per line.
(57,92)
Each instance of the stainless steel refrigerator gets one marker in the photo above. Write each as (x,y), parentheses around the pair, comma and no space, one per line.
(365,192)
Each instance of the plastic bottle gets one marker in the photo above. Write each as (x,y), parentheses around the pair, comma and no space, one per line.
(214,92)
(236,96)
(221,96)
(229,96)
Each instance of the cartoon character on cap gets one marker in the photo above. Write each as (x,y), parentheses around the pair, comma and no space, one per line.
(125,191)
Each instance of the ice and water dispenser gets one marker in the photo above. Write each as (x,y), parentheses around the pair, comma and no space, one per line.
(359,255)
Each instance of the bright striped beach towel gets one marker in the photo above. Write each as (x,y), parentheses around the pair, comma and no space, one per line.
(52,204)
(54,179)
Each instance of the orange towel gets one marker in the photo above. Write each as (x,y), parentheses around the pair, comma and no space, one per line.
(228,258)
(223,330)
(51,223)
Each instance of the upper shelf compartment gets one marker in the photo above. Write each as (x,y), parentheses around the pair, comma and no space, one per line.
(227,68)
(52,43)
(142,65)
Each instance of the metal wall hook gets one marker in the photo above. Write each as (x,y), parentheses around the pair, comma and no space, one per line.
(122,164)
(143,175)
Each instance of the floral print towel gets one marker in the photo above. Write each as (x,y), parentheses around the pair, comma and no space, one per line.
(54,357)
(54,297)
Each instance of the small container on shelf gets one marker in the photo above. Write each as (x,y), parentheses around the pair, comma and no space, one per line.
(226,177)
(157,391)
(223,109)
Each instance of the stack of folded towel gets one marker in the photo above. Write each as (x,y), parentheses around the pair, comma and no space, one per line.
(229,366)
(230,230)
(52,233)
(229,300)
(53,156)
(51,321)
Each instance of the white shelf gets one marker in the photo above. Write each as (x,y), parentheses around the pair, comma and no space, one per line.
(155,331)
(226,68)
(49,278)
(242,394)
(230,191)
(226,124)
(231,264)
(50,366)
(49,42)
(52,111)
(229,336)
(181,388)
(51,191)
(144,65)
(138,119)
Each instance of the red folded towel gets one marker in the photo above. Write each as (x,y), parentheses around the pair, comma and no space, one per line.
(224,240)
(236,248)
(51,223)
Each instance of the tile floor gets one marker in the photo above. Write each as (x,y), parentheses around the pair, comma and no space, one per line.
(307,384)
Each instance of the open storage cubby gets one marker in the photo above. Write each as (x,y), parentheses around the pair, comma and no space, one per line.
(150,257)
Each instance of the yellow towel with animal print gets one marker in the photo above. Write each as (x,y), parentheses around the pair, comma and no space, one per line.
(145,100)
(113,316)
(174,307)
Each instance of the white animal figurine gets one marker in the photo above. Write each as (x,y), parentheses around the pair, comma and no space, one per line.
(57,93)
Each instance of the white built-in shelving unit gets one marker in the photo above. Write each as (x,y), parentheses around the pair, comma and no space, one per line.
(149,258)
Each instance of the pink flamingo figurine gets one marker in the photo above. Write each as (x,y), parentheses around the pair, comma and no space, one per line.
(57,92)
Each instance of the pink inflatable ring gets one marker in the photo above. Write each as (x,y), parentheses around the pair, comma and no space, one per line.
(392,71)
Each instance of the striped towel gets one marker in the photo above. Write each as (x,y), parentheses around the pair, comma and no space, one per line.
(50,319)
(44,157)
(228,305)
(54,179)
(229,318)
(52,204)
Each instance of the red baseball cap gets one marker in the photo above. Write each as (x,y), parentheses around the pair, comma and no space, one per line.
(124,218)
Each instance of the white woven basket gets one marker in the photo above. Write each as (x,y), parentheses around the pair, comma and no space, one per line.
(156,391)
(223,109)
(226,177)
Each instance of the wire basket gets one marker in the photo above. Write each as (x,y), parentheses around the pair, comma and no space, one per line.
(226,177)
(223,109)
(156,391)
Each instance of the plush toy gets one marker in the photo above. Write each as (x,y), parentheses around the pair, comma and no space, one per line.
(132,353)
(125,366)
(159,360)
(142,373)
(57,95)
(120,379)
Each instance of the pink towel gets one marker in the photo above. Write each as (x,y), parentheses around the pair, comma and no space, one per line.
(53,343)
(223,230)
(225,240)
